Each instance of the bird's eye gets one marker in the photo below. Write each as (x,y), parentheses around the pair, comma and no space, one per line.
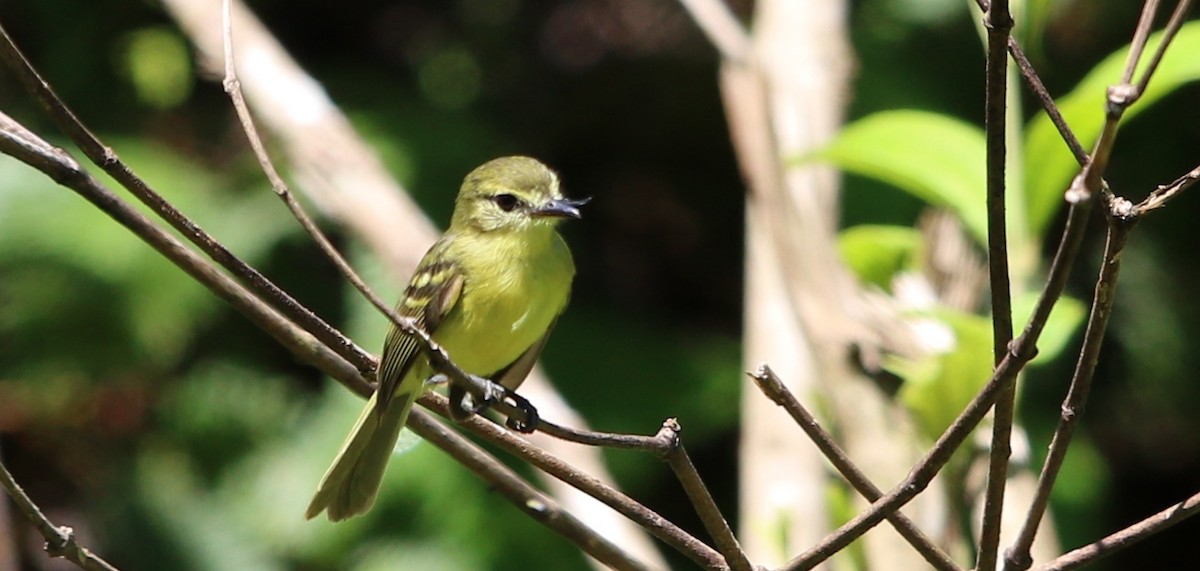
(506,202)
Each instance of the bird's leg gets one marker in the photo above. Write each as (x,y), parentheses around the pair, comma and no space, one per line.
(462,403)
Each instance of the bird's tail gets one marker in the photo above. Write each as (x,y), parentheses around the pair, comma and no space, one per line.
(352,481)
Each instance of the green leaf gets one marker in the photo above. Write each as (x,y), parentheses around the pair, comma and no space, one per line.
(936,158)
(938,387)
(876,253)
(1066,317)
(1050,165)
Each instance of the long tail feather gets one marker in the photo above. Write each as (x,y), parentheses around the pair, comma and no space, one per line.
(352,482)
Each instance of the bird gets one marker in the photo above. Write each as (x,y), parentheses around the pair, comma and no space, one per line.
(488,291)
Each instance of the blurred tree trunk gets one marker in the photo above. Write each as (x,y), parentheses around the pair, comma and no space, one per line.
(804,312)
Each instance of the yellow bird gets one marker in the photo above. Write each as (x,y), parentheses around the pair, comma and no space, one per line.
(488,291)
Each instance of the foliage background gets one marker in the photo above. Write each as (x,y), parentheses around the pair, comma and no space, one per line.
(171,434)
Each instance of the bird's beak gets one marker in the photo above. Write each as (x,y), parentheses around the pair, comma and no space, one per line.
(561,208)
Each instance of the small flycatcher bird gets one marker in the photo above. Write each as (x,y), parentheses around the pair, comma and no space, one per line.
(488,291)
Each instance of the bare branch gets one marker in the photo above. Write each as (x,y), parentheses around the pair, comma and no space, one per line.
(1164,193)
(1020,352)
(107,159)
(658,526)
(60,540)
(521,494)
(1017,557)
(58,165)
(1101,548)
(999,24)
(769,383)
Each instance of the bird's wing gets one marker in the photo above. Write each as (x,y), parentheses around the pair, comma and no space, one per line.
(514,374)
(431,295)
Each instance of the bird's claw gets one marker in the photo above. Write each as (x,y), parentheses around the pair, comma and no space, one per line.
(523,425)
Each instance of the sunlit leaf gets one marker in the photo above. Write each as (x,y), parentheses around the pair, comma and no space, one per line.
(1050,165)
(1066,317)
(938,387)
(936,158)
(876,253)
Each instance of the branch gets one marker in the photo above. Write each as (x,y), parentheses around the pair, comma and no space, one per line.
(482,389)
(1126,537)
(106,158)
(23,145)
(999,25)
(60,541)
(532,502)
(1164,193)
(1087,183)
(1020,352)
(769,383)
(1017,557)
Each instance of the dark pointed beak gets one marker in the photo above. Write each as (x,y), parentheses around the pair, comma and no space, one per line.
(562,208)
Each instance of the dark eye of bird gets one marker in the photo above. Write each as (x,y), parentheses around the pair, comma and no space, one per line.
(506,202)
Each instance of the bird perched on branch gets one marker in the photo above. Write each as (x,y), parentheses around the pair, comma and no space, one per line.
(488,291)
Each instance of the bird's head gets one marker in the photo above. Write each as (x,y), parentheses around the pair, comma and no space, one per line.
(512,194)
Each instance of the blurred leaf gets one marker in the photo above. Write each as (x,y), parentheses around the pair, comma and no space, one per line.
(938,387)
(1066,317)
(158,64)
(147,297)
(1050,165)
(876,253)
(201,530)
(936,158)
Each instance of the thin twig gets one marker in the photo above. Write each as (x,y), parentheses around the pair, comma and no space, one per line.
(1020,353)
(1164,193)
(655,524)
(770,384)
(521,494)
(18,142)
(441,360)
(1034,82)
(1172,27)
(668,445)
(1018,556)
(702,500)
(25,146)
(1130,535)
(107,159)
(999,23)
(60,540)
(1140,35)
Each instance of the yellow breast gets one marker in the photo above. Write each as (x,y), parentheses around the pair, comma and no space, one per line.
(510,298)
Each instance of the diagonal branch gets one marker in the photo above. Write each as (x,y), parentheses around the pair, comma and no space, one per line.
(60,540)
(769,383)
(106,158)
(1020,352)
(1141,530)
(23,145)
